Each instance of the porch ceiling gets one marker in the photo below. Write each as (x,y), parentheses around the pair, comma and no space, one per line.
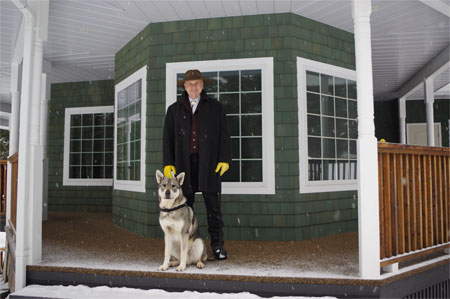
(84,35)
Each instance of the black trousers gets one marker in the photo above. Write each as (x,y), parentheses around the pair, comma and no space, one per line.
(212,203)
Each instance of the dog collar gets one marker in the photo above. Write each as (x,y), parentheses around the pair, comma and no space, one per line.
(174,209)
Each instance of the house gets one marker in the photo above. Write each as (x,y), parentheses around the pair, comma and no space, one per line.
(299,99)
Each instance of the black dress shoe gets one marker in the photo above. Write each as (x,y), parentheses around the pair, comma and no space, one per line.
(220,253)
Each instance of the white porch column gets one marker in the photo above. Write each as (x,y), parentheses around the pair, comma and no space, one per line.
(402,119)
(43,144)
(34,224)
(429,101)
(23,190)
(368,219)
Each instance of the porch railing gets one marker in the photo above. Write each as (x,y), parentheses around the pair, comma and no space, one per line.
(414,195)
(3,186)
(14,160)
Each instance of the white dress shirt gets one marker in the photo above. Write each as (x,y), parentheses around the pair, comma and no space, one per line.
(194,104)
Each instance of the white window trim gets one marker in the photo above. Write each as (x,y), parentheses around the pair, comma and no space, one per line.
(68,113)
(136,186)
(267,186)
(307,186)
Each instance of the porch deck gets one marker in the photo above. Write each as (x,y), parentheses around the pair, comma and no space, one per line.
(86,248)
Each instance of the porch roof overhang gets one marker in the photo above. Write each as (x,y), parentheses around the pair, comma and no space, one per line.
(83,36)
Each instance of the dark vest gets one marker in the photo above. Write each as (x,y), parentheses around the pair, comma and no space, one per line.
(194,127)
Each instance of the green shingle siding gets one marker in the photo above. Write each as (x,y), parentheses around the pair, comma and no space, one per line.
(74,198)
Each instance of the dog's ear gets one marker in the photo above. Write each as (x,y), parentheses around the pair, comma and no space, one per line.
(180,178)
(159,176)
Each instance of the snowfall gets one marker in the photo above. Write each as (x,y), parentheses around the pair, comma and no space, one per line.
(116,293)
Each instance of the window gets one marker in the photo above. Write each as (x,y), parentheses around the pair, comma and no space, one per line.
(129,154)
(245,88)
(88,146)
(328,127)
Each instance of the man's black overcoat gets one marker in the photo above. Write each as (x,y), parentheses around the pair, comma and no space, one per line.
(214,141)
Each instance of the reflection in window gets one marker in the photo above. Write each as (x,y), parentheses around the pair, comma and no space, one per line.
(332,127)
(240,92)
(129,132)
(91,145)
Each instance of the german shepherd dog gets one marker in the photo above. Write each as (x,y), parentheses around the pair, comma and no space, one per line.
(183,246)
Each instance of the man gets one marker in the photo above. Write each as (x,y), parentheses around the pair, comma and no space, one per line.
(196,141)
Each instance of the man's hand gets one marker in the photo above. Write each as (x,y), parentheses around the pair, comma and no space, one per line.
(168,169)
(223,167)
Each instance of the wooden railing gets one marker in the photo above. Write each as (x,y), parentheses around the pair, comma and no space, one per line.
(414,197)
(3,186)
(14,160)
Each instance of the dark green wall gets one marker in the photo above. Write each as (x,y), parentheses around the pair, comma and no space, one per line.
(416,113)
(387,121)
(74,198)
(287,215)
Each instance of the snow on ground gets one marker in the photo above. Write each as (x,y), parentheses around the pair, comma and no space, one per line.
(80,291)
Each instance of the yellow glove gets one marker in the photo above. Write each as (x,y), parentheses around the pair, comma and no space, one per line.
(168,169)
(223,167)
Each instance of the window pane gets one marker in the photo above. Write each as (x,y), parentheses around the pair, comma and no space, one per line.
(137,150)
(232,175)
(86,159)
(328,127)
(87,120)
(235,148)
(351,89)
(314,170)
(328,147)
(327,105)
(86,172)
(233,125)
(108,172)
(341,128)
(342,149)
(109,132)
(251,80)
(353,129)
(75,146)
(251,102)
(343,170)
(109,158)
(99,119)
(109,119)
(353,170)
(97,172)
(75,133)
(87,146)
(314,147)
(137,171)
(326,86)
(212,87)
(251,147)
(340,87)
(352,109)
(229,81)
(341,107)
(86,133)
(230,102)
(251,171)
(313,103)
(99,132)
(75,120)
(98,159)
(352,149)
(75,159)
(329,170)
(312,81)
(74,172)
(99,145)
(251,125)
(122,98)
(314,125)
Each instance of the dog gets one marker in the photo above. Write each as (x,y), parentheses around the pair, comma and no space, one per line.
(182,243)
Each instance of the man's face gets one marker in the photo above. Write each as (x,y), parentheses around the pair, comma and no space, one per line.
(193,88)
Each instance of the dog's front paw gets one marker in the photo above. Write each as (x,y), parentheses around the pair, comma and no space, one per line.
(163,267)
(200,265)
(181,268)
